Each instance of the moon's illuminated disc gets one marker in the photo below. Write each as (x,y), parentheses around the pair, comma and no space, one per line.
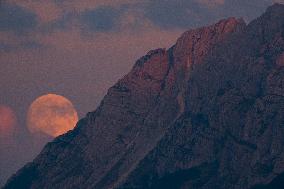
(51,114)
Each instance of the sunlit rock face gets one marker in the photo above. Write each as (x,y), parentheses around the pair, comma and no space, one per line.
(206,113)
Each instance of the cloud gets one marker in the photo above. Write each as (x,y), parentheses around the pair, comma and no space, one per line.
(46,11)
(243,8)
(16,19)
(93,4)
(211,3)
(101,19)
(110,15)
(92,17)
(64,22)
(185,14)
(278,1)
(13,41)
(124,19)
(26,45)
(176,14)
(91,20)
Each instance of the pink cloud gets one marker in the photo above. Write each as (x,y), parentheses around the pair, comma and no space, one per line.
(46,11)
(211,3)
(91,4)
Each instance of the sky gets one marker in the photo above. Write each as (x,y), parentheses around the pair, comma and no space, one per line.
(80,48)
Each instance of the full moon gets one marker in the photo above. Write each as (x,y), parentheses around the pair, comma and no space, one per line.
(51,114)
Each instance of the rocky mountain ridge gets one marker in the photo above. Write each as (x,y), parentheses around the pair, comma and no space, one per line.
(206,113)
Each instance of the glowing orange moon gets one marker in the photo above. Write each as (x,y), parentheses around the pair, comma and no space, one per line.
(51,114)
(7,121)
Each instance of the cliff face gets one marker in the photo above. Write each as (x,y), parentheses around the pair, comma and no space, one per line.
(206,113)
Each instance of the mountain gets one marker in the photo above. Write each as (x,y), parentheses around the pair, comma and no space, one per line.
(206,113)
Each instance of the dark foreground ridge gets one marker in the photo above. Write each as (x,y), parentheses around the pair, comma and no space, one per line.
(207,113)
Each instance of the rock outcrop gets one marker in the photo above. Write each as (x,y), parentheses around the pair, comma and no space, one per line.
(206,113)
